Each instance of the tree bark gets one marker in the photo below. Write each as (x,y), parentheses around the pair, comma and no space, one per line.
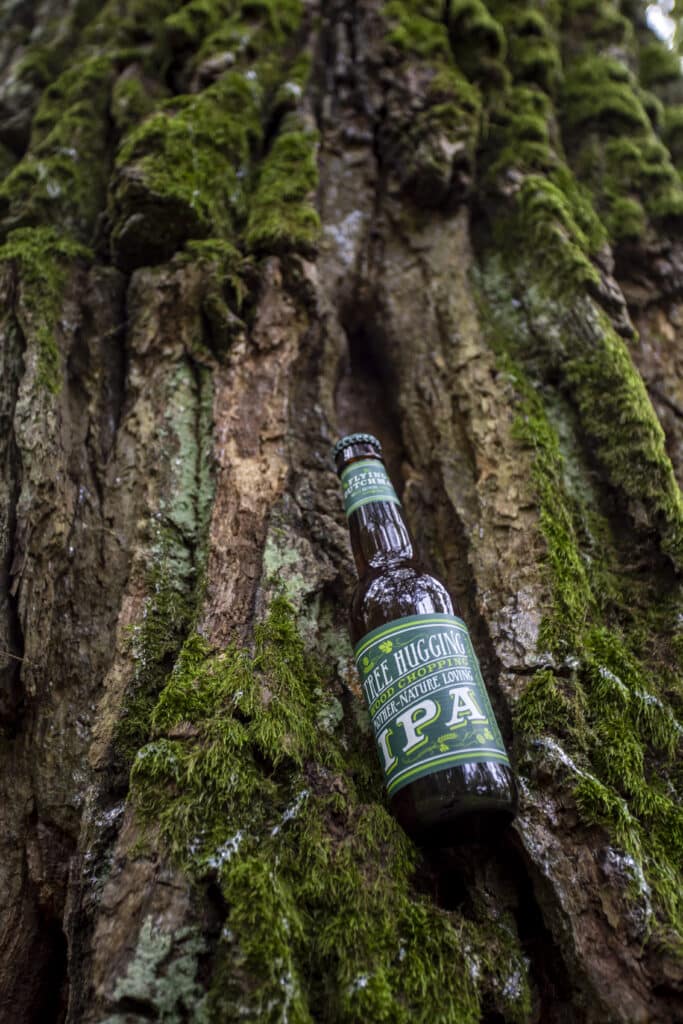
(231,232)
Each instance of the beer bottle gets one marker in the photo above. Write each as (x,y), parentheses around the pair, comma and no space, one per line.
(447,774)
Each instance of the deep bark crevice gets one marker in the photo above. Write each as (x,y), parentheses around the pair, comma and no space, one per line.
(366,392)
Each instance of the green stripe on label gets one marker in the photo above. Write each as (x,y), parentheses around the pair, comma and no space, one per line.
(366,481)
(426,696)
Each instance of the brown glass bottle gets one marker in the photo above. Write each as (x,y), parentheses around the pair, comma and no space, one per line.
(448,802)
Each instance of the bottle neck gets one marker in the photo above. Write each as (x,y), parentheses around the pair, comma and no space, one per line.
(379,537)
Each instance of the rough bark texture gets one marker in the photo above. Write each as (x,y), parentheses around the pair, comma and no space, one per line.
(232,230)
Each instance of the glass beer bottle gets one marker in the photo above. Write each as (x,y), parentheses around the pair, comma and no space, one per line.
(447,773)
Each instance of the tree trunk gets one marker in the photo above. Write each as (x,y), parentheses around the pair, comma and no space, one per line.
(231,231)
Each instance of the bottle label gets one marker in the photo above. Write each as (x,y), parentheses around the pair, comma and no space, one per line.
(365,481)
(427,699)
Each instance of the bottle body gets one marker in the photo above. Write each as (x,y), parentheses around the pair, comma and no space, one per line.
(447,773)
(453,802)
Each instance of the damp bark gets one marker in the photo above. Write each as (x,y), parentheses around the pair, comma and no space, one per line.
(231,231)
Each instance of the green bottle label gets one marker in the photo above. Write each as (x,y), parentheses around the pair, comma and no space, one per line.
(365,481)
(427,700)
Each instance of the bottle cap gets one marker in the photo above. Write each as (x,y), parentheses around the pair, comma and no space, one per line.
(346,442)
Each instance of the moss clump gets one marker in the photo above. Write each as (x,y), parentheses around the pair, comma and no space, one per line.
(546,210)
(136,26)
(643,168)
(673,133)
(62,177)
(429,147)
(226,282)
(626,219)
(414,32)
(181,173)
(281,214)
(185,172)
(154,644)
(39,65)
(597,22)
(601,93)
(42,258)
(431,152)
(533,53)
(185,28)
(634,183)
(200,24)
(610,395)
(478,43)
(470,24)
(131,101)
(243,785)
(629,173)
(551,217)
(519,135)
(254,33)
(658,64)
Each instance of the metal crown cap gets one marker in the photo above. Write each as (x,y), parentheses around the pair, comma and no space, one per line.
(346,442)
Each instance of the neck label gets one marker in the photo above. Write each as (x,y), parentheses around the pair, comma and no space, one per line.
(366,481)
(427,699)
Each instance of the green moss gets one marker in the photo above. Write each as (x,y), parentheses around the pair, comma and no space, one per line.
(546,210)
(431,152)
(631,173)
(130,102)
(226,280)
(254,33)
(181,173)
(626,219)
(185,28)
(154,643)
(550,703)
(136,26)
(42,258)
(478,43)
(62,178)
(39,65)
(594,22)
(414,33)
(673,133)
(281,214)
(600,92)
(658,64)
(609,707)
(610,394)
(644,169)
(653,107)
(533,54)
(470,23)
(545,219)
(321,922)
(200,23)
(519,134)
(185,172)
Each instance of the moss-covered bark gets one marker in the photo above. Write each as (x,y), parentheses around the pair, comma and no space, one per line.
(230,230)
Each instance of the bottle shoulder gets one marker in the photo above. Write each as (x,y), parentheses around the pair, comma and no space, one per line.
(393,594)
